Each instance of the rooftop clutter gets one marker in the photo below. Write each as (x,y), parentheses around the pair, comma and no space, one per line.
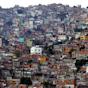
(44,47)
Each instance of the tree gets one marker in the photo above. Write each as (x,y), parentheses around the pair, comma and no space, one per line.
(26,81)
(17,53)
(80,63)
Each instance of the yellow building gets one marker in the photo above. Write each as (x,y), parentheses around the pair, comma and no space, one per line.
(83,37)
(43,59)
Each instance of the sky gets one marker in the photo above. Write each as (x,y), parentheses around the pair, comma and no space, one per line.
(25,3)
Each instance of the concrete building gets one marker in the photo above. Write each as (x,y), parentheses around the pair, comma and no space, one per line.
(36,50)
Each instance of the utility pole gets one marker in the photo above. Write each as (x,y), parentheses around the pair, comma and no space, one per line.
(75,77)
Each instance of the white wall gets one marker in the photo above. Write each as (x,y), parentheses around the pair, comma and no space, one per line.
(67,86)
(36,50)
